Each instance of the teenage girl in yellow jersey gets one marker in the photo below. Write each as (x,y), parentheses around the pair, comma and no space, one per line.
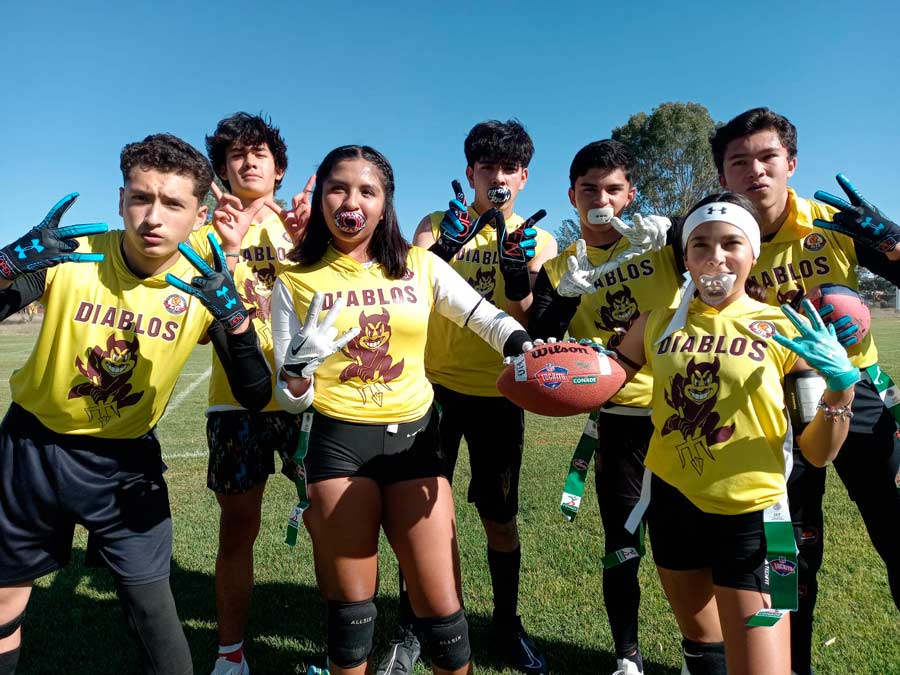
(374,458)
(721,436)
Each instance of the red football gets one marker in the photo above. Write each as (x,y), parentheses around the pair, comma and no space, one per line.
(561,378)
(846,302)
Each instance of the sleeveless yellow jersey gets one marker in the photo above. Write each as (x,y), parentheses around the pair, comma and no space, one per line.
(111,345)
(650,281)
(801,255)
(455,357)
(379,377)
(263,255)
(720,426)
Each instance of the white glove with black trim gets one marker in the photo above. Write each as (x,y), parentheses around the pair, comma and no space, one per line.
(646,233)
(316,341)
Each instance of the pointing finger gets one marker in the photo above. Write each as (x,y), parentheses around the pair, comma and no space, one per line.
(217,191)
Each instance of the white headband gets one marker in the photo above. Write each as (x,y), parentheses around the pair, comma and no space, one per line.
(724,212)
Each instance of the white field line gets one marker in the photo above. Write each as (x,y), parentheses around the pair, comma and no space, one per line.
(177,402)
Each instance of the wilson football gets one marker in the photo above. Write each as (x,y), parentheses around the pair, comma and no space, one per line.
(561,378)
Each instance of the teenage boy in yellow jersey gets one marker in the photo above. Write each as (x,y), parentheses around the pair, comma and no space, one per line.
(78,444)
(249,156)
(498,253)
(756,154)
(633,281)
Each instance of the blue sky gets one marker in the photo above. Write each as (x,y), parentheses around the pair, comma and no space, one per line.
(81,79)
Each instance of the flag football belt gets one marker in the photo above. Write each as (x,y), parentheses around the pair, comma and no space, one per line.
(578,467)
(781,554)
(887,390)
(293,526)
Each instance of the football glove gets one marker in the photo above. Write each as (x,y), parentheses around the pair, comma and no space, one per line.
(48,244)
(316,341)
(457,228)
(516,250)
(859,219)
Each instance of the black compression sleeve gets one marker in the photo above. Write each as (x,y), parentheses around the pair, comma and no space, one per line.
(878,263)
(245,366)
(550,312)
(514,343)
(23,291)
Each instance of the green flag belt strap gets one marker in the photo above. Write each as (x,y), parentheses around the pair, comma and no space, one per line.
(625,554)
(887,390)
(781,558)
(581,461)
(293,527)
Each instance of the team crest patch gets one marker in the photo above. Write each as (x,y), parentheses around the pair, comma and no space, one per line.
(764,329)
(814,242)
(580,464)
(783,567)
(552,376)
(175,304)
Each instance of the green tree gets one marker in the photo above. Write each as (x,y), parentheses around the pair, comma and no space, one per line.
(567,232)
(675,168)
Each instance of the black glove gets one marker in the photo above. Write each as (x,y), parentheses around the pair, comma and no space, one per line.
(48,244)
(516,251)
(457,228)
(859,219)
(215,289)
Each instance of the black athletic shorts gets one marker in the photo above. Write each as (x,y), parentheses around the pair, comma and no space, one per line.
(386,453)
(685,538)
(494,429)
(113,487)
(242,447)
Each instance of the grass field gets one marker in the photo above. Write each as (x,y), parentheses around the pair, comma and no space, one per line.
(74,624)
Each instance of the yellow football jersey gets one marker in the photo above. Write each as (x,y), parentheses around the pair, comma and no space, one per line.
(803,256)
(650,281)
(111,345)
(379,377)
(263,255)
(455,357)
(720,426)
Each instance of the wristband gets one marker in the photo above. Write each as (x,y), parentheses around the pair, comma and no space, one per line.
(835,413)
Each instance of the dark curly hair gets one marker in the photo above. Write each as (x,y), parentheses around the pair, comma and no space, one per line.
(169,154)
(250,131)
(387,247)
(751,122)
(608,155)
(502,142)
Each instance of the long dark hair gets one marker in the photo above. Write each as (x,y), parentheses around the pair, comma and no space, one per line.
(751,287)
(387,246)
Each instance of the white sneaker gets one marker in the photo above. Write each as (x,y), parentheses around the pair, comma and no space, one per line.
(627,667)
(225,667)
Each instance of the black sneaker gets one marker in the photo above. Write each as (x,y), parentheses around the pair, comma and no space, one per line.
(518,649)
(403,652)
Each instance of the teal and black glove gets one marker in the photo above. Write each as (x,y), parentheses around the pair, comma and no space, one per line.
(516,250)
(859,219)
(215,289)
(48,244)
(819,346)
(457,228)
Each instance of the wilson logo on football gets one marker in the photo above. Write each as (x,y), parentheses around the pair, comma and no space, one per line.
(552,376)
(175,304)
(784,568)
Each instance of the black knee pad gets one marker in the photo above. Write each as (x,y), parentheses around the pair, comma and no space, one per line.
(704,658)
(12,626)
(351,626)
(447,640)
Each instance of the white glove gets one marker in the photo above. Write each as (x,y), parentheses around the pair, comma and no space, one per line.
(579,278)
(647,233)
(316,341)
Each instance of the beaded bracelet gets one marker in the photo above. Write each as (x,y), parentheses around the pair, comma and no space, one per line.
(834,413)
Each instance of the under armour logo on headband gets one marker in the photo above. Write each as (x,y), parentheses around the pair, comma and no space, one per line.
(712,210)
